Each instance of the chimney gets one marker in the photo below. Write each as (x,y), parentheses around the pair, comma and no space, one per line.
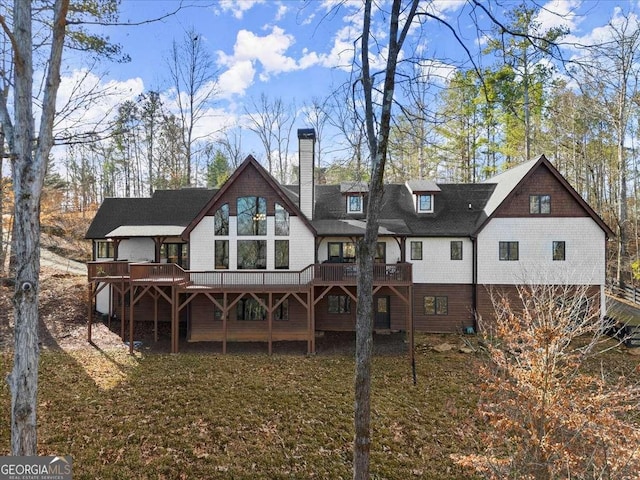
(306,153)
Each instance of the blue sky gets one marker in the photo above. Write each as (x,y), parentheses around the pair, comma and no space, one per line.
(294,50)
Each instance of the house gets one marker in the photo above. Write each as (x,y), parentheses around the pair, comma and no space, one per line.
(259,261)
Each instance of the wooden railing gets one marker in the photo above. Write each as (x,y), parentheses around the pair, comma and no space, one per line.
(326,273)
(157,273)
(347,273)
(96,270)
(227,278)
(631,294)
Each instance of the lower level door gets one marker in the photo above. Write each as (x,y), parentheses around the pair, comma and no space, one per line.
(382,312)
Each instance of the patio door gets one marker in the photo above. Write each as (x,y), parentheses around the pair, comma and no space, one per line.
(382,312)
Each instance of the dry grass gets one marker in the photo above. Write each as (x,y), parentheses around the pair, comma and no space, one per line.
(247,416)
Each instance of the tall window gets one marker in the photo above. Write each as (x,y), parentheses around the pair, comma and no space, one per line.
(282,220)
(342,252)
(281,312)
(436,305)
(381,253)
(221,220)
(250,309)
(456,250)
(354,203)
(252,215)
(558,251)
(177,253)
(282,254)
(105,249)
(339,303)
(416,250)
(508,251)
(252,254)
(222,254)
(540,204)
(425,203)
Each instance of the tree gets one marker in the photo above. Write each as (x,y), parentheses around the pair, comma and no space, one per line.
(378,139)
(30,154)
(552,409)
(195,85)
(217,170)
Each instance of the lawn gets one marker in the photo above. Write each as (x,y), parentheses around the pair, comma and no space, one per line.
(202,415)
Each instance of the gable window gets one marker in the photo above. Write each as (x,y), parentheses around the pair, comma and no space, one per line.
(416,250)
(221,220)
(436,305)
(222,254)
(424,203)
(558,251)
(250,309)
(456,250)
(105,249)
(282,254)
(252,254)
(539,204)
(354,204)
(282,221)
(342,252)
(339,303)
(508,251)
(252,215)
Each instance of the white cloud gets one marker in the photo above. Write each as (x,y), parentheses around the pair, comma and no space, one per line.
(559,13)
(237,79)
(237,7)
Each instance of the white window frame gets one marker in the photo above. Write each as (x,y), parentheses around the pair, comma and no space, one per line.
(418,197)
(349,210)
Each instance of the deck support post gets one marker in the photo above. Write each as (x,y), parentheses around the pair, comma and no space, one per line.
(270,322)
(130,321)
(225,316)
(122,308)
(174,320)
(90,312)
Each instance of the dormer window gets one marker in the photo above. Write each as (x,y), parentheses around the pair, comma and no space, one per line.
(425,203)
(354,203)
(424,193)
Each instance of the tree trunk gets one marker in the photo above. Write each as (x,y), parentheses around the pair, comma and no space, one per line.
(28,169)
(2,249)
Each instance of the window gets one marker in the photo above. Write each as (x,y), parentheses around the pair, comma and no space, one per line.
(416,250)
(559,251)
(252,215)
(252,254)
(354,203)
(540,204)
(508,251)
(221,220)
(425,203)
(250,309)
(339,303)
(222,254)
(282,220)
(381,253)
(436,305)
(177,253)
(105,249)
(456,250)
(282,254)
(342,252)
(281,312)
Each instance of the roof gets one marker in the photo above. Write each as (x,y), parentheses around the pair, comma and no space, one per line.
(419,186)
(165,207)
(146,231)
(354,187)
(505,183)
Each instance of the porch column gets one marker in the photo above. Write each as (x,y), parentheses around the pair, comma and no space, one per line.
(90,312)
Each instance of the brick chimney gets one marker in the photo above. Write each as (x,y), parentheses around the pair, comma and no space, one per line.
(306,153)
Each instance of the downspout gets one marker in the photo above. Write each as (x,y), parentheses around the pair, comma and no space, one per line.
(474,282)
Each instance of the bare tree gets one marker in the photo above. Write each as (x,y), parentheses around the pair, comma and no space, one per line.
(272,121)
(400,20)
(30,153)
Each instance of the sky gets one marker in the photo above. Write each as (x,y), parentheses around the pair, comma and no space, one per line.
(288,49)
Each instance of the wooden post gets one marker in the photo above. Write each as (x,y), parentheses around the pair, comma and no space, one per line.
(131,301)
(174,321)
(90,312)
(312,309)
(122,306)
(270,322)
(155,318)
(225,314)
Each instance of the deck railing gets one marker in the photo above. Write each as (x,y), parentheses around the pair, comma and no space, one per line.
(157,273)
(325,273)
(107,269)
(228,278)
(347,273)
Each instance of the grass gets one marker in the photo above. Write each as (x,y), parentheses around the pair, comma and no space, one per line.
(247,416)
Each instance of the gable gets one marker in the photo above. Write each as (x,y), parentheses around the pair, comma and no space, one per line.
(542,181)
